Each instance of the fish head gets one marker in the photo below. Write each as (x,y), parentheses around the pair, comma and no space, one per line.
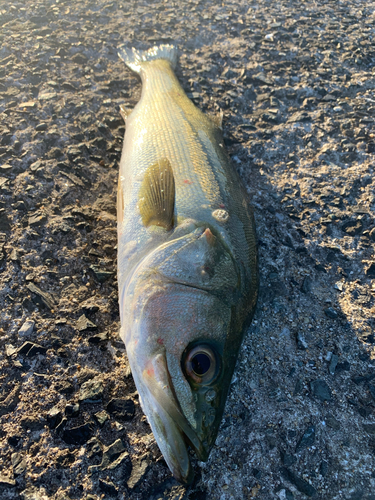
(182,341)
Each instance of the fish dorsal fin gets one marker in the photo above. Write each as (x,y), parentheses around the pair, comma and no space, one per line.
(157,194)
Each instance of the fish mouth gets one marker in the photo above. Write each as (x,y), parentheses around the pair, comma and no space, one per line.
(171,429)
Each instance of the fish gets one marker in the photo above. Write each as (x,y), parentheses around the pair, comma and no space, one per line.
(187,260)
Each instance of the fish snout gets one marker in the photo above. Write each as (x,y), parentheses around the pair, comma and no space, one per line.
(171,429)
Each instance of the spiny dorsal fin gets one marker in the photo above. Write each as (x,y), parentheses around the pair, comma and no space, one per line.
(157,194)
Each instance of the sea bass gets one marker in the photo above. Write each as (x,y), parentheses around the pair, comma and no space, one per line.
(187,261)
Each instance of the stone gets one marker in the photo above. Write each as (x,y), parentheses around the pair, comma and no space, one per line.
(256,473)
(301,485)
(298,388)
(100,274)
(94,448)
(14,440)
(65,387)
(65,458)
(91,391)
(72,410)
(332,422)
(79,58)
(101,417)
(32,422)
(306,285)
(99,337)
(139,470)
(83,324)
(6,481)
(19,463)
(108,487)
(10,349)
(27,328)
(40,297)
(6,167)
(123,409)
(352,227)
(370,270)
(333,364)
(114,456)
(302,345)
(287,459)
(331,313)
(89,308)
(369,428)
(30,349)
(344,366)
(4,220)
(15,256)
(61,425)
(358,379)
(41,127)
(54,417)
(307,439)
(80,434)
(323,469)
(284,494)
(37,219)
(321,390)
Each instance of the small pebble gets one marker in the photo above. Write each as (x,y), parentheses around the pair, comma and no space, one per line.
(78,435)
(91,391)
(307,439)
(321,390)
(123,409)
(83,323)
(27,328)
(333,364)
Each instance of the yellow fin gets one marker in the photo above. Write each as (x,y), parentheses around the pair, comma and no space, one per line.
(157,194)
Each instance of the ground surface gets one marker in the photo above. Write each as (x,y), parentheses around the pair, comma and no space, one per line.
(296,83)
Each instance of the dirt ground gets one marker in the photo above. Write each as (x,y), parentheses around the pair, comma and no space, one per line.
(295,81)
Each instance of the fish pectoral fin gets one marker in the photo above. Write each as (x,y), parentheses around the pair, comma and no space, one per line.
(124,112)
(157,195)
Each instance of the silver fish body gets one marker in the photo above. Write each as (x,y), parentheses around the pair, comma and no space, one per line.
(187,261)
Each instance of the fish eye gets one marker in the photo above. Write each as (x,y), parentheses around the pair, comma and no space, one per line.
(201,364)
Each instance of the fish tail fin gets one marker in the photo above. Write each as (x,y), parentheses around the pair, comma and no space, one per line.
(134,58)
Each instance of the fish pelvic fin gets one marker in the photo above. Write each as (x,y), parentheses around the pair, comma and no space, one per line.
(134,58)
(157,195)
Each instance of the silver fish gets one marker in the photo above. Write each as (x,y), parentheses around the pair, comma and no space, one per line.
(187,261)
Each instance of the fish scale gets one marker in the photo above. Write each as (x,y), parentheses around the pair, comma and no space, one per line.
(187,261)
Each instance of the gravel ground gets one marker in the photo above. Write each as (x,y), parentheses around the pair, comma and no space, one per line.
(296,83)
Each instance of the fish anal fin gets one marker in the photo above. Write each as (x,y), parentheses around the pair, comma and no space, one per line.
(124,112)
(157,195)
